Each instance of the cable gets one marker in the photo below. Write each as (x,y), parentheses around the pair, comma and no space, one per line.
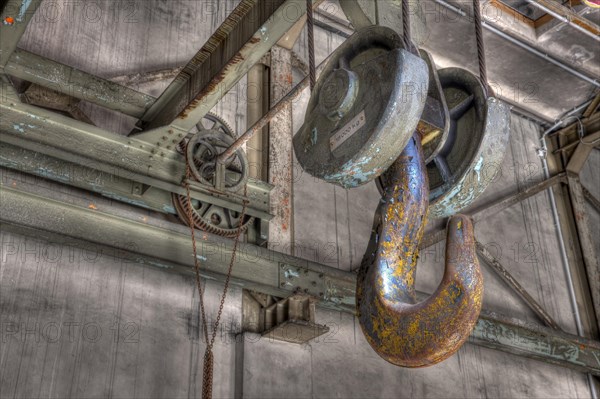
(311,44)
(480,44)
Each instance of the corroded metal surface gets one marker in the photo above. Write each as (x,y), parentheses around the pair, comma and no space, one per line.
(401,331)
(363,110)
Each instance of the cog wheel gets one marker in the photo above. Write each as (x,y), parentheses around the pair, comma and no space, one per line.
(211,218)
(210,121)
(204,149)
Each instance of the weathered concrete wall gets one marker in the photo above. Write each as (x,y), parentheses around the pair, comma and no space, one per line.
(77,325)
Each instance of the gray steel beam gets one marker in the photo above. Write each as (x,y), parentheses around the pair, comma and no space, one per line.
(259,269)
(75,83)
(74,142)
(245,36)
(588,248)
(20,12)
(486,211)
(582,152)
(536,342)
(508,278)
(590,197)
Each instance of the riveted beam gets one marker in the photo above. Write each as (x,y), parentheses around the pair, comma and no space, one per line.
(14,18)
(256,268)
(74,142)
(241,41)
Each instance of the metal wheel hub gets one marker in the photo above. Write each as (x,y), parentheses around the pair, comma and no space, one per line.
(211,218)
(363,110)
(460,161)
(213,137)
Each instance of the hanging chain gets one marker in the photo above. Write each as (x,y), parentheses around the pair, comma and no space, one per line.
(479,38)
(207,374)
(311,44)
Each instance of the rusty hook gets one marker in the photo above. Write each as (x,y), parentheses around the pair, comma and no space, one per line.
(399,329)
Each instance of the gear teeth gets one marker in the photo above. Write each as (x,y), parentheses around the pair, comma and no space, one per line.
(210,116)
(182,207)
(228,129)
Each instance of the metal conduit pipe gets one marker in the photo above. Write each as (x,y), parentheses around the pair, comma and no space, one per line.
(563,250)
(523,45)
(564,19)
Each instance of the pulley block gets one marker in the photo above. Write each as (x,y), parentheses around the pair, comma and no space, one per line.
(463,159)
(466,161)
(364,108)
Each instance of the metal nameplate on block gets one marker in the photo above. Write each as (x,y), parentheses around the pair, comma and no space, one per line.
(347,131)
(363,110)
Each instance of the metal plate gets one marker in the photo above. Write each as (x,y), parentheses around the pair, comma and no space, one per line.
(479,132)
(372,75)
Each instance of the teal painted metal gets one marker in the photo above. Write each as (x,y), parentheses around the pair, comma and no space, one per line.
(117,184)
(74,142)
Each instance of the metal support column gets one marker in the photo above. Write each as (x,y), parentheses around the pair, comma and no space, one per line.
(281,153)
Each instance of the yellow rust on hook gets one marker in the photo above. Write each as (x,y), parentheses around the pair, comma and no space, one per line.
(399,329)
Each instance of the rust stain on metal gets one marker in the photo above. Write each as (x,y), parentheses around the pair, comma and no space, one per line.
(212,85)
(401,331)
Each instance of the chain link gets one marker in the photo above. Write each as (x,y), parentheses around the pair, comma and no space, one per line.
(207,375)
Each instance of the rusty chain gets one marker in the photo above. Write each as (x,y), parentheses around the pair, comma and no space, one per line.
(207,374)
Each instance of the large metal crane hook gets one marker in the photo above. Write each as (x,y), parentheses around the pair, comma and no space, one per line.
(399,329)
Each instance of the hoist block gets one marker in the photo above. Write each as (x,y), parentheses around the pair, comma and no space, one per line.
(464,157)
(467,160)
(363,109)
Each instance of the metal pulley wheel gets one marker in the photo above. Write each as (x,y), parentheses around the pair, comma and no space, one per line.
(204,149)
(467,158)
(210,121)
(213,137)
(363,110)
(211,218)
